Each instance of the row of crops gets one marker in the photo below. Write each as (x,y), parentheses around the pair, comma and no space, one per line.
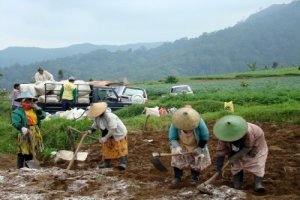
(261,91)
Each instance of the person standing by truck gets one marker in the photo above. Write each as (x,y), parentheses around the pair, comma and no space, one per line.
(15,93)
(42,75)
(27,120)
(68,94)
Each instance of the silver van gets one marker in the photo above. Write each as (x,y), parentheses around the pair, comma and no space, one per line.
(181,89)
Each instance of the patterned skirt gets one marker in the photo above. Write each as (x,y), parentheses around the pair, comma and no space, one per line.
(34,144)
(191,161)
(113,149)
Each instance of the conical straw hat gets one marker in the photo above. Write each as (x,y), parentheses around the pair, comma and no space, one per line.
(230,128)
(186,119)
(96,109)
(25,95)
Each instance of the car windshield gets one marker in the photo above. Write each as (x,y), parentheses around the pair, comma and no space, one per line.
(103,94)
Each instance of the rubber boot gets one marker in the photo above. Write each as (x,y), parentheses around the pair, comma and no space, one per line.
(178,173)
(106,164)
(258,187)
(195,175)
(122,163)
(20,161)
(238,180)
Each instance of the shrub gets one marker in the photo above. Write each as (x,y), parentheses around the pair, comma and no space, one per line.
(171,79)
(244,84)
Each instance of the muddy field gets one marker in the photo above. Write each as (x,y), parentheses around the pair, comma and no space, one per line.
(143,181)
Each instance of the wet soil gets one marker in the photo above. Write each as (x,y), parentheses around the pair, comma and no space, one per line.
(142,181)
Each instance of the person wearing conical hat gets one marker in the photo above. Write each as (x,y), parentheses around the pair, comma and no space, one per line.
(189,134)
(245,145)
(27,120)
(114,134)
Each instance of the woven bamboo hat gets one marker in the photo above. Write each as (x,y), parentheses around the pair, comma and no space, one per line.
(96,109)
(230,128)
(25,95)
(186,119)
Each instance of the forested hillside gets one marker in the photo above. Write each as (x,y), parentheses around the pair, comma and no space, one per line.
(269,36)
(27,55)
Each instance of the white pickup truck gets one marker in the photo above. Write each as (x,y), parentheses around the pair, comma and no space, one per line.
(116,96)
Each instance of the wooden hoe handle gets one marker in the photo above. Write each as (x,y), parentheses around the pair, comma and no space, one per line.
(157,154)
(75,154)
(81,132)
(215,175)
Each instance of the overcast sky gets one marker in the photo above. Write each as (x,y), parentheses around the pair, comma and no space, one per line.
(59,23)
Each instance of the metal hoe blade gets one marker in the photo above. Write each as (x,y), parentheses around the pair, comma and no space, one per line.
(158,165)
(32,164)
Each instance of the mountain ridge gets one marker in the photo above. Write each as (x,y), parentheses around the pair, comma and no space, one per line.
(271,35)
(27,55)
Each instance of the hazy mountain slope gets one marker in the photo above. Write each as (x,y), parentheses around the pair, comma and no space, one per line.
(27,55)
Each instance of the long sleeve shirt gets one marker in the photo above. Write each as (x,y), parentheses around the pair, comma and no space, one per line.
(46,76)
(255,160)
(13,96)
(112,123)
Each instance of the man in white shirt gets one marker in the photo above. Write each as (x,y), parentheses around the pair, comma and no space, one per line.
(42,75)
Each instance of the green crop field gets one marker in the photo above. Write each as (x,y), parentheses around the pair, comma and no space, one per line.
(204,86)
(274,98)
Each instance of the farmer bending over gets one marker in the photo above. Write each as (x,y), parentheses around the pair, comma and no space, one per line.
(188,133)
(114,134)
(246,147)
(27,120)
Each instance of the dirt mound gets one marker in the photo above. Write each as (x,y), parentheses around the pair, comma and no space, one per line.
(142,181)
(7,161)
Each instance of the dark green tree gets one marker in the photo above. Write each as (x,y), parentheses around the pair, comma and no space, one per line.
(0,78)
(274,65)
(60,74)
(171,79)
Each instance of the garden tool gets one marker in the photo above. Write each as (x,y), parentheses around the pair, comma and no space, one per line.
(145,124)
(158,164)
(75,153)
(202,187)
(71,139)
(34,164)
(71,136)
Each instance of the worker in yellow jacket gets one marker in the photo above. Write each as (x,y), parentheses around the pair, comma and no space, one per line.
(68,94)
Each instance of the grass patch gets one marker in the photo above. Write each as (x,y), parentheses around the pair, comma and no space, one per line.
(285,71)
